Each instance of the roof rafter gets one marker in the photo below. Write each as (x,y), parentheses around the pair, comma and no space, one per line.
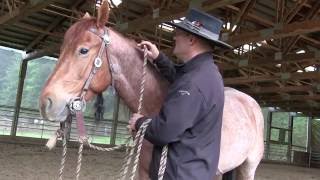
(166,15)
(271,78)
(278,31)
(26,10)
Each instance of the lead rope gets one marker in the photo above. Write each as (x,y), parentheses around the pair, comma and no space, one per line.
(140,136)
(64,155)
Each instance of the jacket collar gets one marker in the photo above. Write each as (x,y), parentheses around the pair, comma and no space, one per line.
(195,62)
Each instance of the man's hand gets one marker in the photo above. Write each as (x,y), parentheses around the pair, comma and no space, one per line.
(152,50)
(133,120)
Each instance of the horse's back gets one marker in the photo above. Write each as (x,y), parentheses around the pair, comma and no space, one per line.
(242,128)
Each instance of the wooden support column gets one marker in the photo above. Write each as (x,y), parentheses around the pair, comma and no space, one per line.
(115,120)
(22,75)
(309,148)
(268,135)
(290,126)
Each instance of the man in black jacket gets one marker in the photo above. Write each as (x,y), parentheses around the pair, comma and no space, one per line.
(190,119)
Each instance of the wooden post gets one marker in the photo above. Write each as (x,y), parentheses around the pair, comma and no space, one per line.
(230,175)
(309,147)
(22,76)
(115,120)
(290,126)
(268,136)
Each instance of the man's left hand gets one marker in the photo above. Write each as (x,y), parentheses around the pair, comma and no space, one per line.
(133,120)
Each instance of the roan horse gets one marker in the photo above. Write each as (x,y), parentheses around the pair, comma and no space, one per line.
(242,130)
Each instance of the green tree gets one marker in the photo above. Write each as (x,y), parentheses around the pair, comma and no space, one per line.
(37,73)
(9,76)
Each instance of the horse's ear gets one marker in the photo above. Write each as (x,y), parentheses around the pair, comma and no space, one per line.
(103,14)
(86,16)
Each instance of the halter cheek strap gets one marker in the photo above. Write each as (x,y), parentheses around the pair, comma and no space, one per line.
(105,42)
(77,105)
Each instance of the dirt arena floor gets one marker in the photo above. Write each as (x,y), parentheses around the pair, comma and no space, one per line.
(34,162)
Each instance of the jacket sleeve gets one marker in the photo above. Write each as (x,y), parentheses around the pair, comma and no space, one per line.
(178,114)
(166,67)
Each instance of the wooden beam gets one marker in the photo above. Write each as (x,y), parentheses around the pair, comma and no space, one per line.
(277,98)
(271,62)
(53,25)
(271,78)
(42,52)
(293,12)
(167,15)
(244,12)
(275,89)
(280,5)
(19,13)
(287,104)
(11,44)
(36,29)
(310,15)
(279,31)
(252,16)
(314,11)
(312,40)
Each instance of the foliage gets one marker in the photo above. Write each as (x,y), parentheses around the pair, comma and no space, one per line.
(9,76)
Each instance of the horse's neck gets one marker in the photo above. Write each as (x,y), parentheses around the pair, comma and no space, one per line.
(128,65)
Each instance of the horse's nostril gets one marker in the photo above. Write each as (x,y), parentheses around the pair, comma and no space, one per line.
(49,103)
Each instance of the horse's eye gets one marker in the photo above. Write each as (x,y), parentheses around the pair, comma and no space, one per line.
(84,51)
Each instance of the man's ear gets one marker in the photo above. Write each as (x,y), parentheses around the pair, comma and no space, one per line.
(192,39)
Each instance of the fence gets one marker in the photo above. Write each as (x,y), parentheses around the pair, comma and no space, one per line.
(30,124)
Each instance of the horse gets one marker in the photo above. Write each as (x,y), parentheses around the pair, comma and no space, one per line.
(242,143)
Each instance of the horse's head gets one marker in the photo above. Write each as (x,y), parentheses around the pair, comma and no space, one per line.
(80,48)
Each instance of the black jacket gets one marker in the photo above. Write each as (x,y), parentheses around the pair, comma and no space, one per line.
(189,120)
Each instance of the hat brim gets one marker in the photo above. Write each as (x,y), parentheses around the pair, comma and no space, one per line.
(212,40)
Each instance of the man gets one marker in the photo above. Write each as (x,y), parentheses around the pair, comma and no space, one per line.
(190,119)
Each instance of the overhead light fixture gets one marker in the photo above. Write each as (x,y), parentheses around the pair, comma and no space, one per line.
(301,51)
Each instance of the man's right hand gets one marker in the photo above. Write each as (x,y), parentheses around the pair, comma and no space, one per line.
(152,50)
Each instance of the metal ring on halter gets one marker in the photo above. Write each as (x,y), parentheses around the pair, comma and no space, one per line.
(98,62)
(106,38)
(77,104)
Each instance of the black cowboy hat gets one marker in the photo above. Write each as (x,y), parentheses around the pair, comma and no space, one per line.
(203,25)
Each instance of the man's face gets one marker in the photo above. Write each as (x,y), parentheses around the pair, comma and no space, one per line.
(182,45)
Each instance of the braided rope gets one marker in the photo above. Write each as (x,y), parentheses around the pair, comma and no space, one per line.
(136,160)
(129,156)
(140,136)
(145,60)
(63,159)
(104,149)
(79,159)
(163,162)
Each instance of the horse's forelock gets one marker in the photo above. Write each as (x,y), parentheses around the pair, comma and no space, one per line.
(73,36)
